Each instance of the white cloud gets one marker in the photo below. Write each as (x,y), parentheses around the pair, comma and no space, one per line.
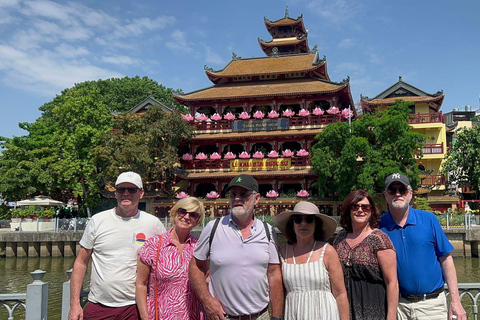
(335,11)
(346,43)
(121,60)
(211,57)
(349,68)
(179,42)
(68,51)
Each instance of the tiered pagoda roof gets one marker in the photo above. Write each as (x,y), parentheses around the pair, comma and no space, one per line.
(406,92)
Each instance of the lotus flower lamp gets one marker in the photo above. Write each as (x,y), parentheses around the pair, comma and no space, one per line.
(302,153)
(288,113)
(188,117)
(304,113)
(347,113)
(273,114)
(213,195)
(201,156)
(287,153)
(259,114)
(273,154)
(333,110)
(272,194)
(229,116)
(187,157)
(216,117)
(318,112)
(215,156)
(258,155)
(244,155)
(244,115)
(182,195)
(202,117)
(302,194)
(229,155)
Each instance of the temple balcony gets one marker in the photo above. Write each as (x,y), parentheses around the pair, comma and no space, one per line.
(432,180)
(433,148)
(433,117)
(224,164)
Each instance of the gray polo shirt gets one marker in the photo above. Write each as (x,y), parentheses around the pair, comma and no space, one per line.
(238,268)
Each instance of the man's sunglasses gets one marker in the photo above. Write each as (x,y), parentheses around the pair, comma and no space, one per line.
(299,218)
(393,190)
(365,207)
(193,215)
(130,190)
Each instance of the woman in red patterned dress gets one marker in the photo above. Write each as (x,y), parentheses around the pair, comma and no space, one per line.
(368,260)
(163,263)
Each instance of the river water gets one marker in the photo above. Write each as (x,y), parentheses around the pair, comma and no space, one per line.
(14,277)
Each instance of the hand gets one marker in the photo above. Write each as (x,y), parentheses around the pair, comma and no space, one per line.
(76,312)
(214,309)
(456,309)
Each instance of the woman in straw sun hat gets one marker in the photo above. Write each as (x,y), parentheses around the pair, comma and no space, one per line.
(311,270)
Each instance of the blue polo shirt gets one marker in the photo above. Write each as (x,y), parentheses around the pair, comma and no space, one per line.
(419,244)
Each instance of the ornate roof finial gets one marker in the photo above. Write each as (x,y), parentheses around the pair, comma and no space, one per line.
(274,53)
(400,79)
(207,68)
(314,49)
(286,11)
(235,57)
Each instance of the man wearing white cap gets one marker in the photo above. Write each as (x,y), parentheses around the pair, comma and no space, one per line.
(112,239)
(424,262)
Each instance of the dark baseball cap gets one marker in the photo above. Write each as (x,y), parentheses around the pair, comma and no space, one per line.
(396,177)
(245,181)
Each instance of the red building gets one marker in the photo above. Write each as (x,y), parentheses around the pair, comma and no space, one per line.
(261,115)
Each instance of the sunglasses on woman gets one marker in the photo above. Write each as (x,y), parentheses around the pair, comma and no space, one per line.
(299,218)
(193,215)
(364,207)
(393,190)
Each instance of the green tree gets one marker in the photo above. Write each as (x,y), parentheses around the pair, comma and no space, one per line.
(57,156)
(462,163)
(360,156)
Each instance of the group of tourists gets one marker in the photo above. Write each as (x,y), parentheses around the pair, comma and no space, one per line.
(389,267)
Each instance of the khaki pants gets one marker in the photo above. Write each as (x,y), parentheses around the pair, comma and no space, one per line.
(431,309)
(263,316)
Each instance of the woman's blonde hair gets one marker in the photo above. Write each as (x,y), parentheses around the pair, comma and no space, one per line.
(191,204)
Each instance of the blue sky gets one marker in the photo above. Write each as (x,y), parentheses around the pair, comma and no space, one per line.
(47,46)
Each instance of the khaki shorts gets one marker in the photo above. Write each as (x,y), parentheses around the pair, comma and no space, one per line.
(430,309)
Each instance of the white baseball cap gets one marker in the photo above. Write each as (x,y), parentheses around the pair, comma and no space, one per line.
(130,177)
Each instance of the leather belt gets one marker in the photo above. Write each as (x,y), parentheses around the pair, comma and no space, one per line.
(421,297)
(252,316)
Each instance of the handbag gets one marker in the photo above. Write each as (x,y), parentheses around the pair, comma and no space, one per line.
(155,277)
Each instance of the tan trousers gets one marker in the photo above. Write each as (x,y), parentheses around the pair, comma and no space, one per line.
(431,309)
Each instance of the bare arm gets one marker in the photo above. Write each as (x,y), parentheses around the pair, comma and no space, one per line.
(141,287)
(337,282)
(78,275)
(450,275)
(388,264)
(196,274)
(274,274)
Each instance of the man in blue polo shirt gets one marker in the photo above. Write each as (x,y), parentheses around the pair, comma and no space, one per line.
(423,257)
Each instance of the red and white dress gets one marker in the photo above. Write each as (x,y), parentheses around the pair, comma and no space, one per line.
(176,298)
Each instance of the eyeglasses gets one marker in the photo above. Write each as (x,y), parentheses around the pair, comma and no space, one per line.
(243,195)
(299,218)
(193,215)
(365,207)
(393,190)
(130,190)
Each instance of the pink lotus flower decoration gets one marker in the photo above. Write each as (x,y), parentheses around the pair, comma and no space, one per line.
(201,156)
(244,115)
(187,157)
(333,110)
(288,113)
(273,154)
(215,156)
(182,195)
(244,155)
(318,112)
(213,195)
(216,117)
(258,155)
(347,113)
(302,153)
(302,194)
(287,153)
(272,194)
(188,117)
(229,116)
(273,114)
(304,113)
(259,114)
(202,117)
(229,155)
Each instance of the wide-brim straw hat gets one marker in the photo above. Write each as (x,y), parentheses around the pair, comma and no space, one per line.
(307,208)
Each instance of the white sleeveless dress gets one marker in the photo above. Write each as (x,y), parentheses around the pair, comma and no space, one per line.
(308,290)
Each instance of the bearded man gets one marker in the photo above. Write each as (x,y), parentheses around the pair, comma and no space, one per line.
(245,273)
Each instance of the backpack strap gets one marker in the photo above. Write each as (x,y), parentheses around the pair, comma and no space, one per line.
(212,233)
(267,231)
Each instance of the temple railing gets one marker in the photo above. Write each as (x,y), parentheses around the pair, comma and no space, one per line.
(433,180)
(225,163)
(416,118)
(433,148)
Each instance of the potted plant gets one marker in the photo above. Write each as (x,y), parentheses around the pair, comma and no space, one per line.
(17,214)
